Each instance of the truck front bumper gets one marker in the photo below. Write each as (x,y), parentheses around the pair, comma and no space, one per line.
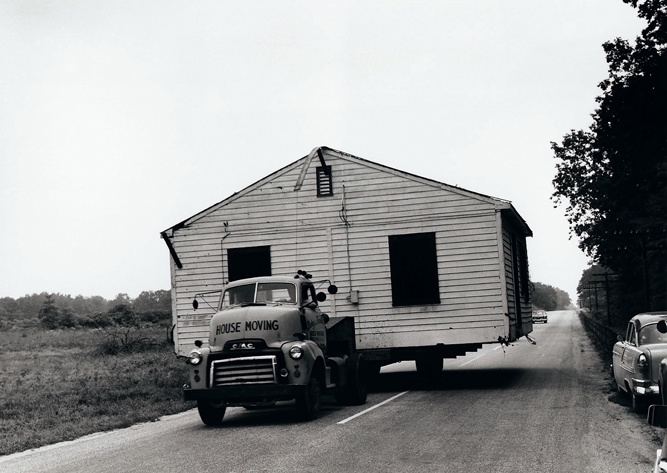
(245,393)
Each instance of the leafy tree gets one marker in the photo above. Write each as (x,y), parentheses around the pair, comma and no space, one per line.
(120,299)
(152,301)
(613,177)
(53,316)
(123,316)
(9,309)
(30,305)
(563,300)
(548,297)
(544,296)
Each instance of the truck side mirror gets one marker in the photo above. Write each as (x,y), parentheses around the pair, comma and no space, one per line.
(321,296)
(333,289)
(195,303)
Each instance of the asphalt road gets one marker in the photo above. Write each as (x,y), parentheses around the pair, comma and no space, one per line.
(522,408)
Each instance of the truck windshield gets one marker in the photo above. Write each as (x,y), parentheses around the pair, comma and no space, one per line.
(259,293)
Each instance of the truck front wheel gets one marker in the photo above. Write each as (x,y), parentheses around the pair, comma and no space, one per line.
(309,402)
(211,413)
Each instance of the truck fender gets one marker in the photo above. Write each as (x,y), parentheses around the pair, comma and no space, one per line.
(312,358)
(317,364)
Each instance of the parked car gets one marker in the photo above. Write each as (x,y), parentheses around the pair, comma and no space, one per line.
(540,316)
(636,358)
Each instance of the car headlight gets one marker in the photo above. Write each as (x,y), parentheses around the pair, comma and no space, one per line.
(295,352)
(194,358)
(642,362)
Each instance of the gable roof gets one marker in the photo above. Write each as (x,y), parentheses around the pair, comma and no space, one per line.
(304,162)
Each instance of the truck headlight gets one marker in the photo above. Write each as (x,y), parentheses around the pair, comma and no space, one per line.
(194,358)
(295,352)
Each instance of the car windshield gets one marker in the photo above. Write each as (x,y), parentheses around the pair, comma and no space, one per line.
(649,334)
(259,293)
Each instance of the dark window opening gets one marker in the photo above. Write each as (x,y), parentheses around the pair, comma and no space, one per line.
(414,269)
(248,262)
(324,182)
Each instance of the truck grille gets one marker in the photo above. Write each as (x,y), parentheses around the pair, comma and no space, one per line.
(248,370)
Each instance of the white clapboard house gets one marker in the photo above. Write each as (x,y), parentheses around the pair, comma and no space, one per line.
(418,263)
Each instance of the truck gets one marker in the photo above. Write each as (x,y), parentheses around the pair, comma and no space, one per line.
(270,342)
(425,271)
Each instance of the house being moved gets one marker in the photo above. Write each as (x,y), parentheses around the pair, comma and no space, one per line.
(423,267)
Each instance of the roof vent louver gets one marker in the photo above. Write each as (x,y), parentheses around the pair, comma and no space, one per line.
(324,182)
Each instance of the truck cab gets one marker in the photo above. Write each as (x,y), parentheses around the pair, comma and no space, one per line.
(268,343)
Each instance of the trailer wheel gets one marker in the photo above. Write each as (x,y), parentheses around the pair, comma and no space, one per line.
(308,404)
(211,413)
(429,368)
(356,391)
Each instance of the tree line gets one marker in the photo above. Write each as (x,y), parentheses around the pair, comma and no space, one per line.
(548,297)
(612,178)
(54,310)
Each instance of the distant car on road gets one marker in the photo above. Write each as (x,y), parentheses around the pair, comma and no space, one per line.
(636,357)
(540,316)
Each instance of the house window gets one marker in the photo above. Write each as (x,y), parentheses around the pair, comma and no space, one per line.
(414,269)
(324,183)
(248,262)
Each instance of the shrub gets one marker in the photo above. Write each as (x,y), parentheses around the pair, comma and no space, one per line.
(162,318)
(123,332)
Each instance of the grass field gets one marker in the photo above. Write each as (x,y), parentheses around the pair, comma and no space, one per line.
(59,385)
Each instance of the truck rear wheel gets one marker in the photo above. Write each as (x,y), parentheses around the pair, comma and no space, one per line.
(211,413)
(309,402)
(429,368)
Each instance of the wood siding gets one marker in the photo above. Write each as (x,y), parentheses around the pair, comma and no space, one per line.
(350,248)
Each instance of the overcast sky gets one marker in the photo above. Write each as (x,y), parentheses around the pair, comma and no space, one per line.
(119,119)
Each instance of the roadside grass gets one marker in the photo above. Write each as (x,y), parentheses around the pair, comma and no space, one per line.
(58,385)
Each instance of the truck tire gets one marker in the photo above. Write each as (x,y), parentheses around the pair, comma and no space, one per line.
(372,372)
(356,391)
(309,402)
(429,368)
(211,413)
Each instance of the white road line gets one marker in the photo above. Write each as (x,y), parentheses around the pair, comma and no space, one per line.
(371,408)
